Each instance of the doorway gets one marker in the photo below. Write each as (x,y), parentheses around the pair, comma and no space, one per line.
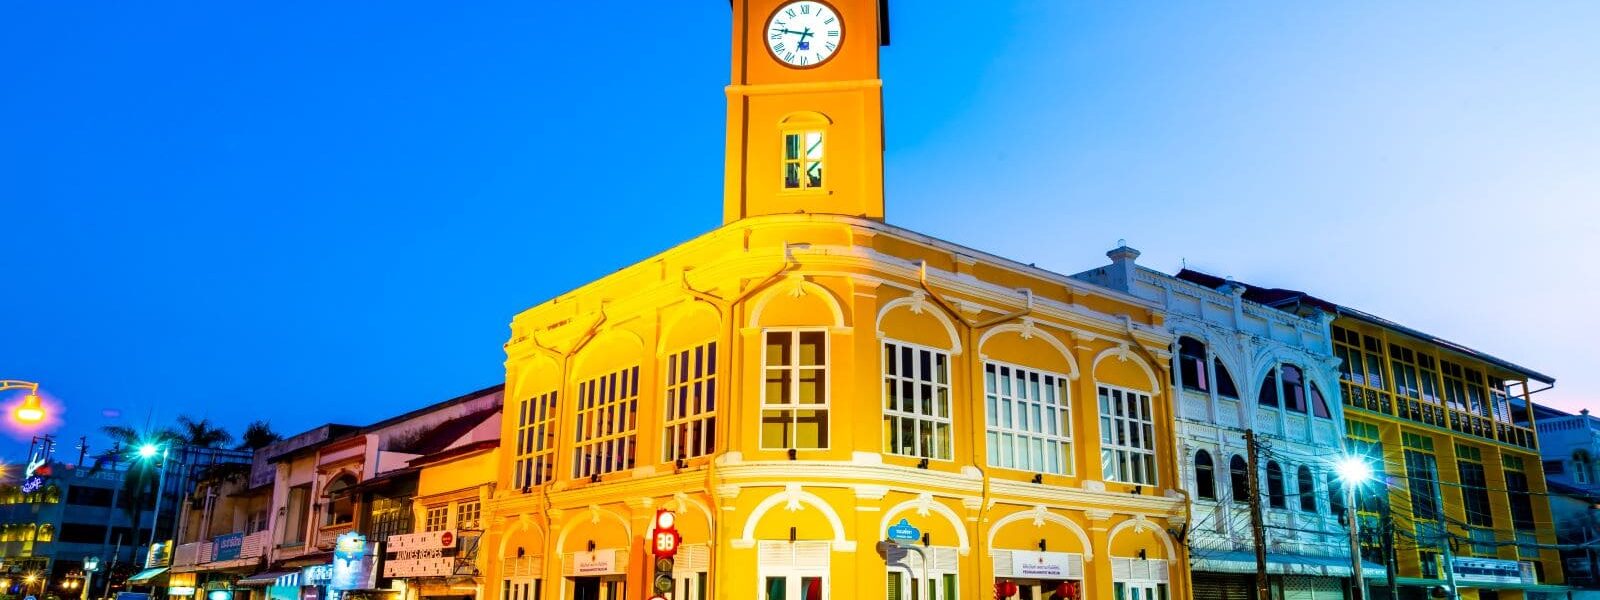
(598,588)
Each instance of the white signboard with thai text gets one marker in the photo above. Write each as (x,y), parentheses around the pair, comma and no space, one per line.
(428,554)
(1487,570)
(599,562)
(1046,565)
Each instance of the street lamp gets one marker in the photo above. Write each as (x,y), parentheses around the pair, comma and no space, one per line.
(1354,471)
(31,412)
(147,452)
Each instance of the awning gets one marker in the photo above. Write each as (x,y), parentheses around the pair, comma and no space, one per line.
(146,575)
(1546,588)
(282,578)
(1238,561)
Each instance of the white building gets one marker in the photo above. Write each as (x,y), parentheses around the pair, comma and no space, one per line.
(1241,366)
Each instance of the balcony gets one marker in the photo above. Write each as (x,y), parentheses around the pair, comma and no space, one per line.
(327,534)
(198,556)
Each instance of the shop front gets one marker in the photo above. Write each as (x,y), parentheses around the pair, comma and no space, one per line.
(597,574)
(430,565)
(1039,575)
(271,585)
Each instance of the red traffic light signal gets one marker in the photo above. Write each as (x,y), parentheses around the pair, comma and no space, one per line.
(664,541)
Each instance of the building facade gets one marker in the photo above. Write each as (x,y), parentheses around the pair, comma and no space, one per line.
(1462,497)
(1239,367)
(79,512)
(1569,444)
(798,381)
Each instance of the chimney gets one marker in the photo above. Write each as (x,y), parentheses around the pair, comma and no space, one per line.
(1120,275)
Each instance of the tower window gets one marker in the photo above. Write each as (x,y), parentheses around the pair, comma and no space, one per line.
(802,160)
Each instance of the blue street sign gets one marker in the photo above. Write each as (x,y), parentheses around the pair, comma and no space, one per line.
(904,532)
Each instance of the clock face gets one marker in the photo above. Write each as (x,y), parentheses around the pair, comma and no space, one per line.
(805,33)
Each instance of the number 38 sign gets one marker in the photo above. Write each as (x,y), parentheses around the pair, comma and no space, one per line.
(664,542)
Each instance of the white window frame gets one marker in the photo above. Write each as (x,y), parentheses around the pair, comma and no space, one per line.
(1114,453)
(461,515)
(535,453)
(804,161)
(675,427)
(946,561)
(793,406)
(436,518)
(996,428)
(938,386)
(608,427)
(769,565)
(1139,574)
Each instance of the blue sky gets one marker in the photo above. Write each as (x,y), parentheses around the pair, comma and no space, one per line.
(313,212)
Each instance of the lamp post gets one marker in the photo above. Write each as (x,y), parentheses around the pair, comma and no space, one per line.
(31,412)
(147,452)
(1354,471)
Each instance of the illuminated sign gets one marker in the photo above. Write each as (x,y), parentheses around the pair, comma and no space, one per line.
(666,538)
(182,590)
(430,554)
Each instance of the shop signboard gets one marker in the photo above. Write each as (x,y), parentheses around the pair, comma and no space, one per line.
(429,554)
(599,562)
(904,531)
(353,566)
(159,555)
(227,547)
(1487,570)
(1041,565)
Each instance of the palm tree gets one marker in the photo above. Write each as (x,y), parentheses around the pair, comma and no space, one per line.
(139,481)
(202,433)
(257,435)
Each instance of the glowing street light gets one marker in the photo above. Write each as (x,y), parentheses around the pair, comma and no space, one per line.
(1354,471)
(31,411)
(147,452)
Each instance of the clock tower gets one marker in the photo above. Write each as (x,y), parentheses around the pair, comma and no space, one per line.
(805,108)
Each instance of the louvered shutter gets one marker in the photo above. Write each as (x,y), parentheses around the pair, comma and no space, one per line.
(1002,563)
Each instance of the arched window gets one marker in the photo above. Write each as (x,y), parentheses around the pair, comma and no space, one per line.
(1307,488)
(47,533)
(1294,394)
(1582,470)
(1205,476)
(1239,477)
(341,501)
(1268,395)
(1192,364)
(1275,495)
(1225,387)
(802,151)
(1319,407)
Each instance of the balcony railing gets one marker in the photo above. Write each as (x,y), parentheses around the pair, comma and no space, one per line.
(203,553)
(328,533)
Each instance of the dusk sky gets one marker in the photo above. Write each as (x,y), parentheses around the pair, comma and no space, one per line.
(309,212)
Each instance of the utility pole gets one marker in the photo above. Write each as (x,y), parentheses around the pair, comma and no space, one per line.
(1258,529)
(1444,532)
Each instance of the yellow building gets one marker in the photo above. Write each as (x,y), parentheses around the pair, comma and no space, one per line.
(797,381)
(1453,443)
